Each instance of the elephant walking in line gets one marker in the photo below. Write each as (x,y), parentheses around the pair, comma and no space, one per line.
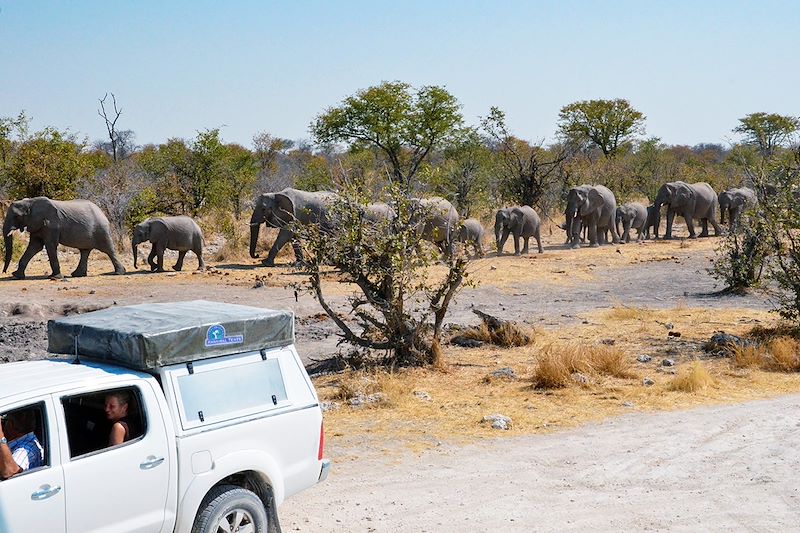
(632,215)
(652,217)
(519,221)
(74,223)
(691,201)
(438,221)
(174,233)
(282,209)
(471,233)
(735,202)
(593,206)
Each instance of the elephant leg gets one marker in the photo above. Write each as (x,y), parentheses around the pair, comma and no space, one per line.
(593,234)
(538,236)
(151,259)
(503,239)
(516,243)
(688,217)
(284,236)
(298,252)
(704,225)
(179,264)
(83,264)
(670,220)
(201,265)
(159,256)
(525,248)
(51,247)
(34,247)
(626,236)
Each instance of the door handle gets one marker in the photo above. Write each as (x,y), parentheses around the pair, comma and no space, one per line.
(151,462)
(44,492)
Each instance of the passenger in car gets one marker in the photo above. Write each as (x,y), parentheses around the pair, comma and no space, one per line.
(23,451)
(116,408)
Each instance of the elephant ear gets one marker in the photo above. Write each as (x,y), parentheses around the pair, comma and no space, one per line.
(285,208)
(683,194)
(596,199)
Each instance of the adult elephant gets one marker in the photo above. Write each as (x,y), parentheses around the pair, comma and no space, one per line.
(378,212)
(281,210)
(179,233)
(632,215)
(74,223)
(595,207)
(438,221)
(691,201)
(734,202)
(519,221)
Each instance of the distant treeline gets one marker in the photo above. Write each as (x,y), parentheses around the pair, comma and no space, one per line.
(386,133)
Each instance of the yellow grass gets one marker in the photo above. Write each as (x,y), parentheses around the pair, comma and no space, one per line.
(783,354)
(692,378)
(508,335)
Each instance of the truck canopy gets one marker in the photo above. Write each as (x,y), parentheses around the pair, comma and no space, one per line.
(148,336)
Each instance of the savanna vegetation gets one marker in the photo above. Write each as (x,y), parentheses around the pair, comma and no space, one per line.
(393,142)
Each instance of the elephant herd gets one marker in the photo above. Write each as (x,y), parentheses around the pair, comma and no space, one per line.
(592,208)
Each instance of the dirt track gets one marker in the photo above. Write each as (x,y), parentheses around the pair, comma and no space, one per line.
(731,468)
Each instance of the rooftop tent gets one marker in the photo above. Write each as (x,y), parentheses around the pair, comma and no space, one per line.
(150,335)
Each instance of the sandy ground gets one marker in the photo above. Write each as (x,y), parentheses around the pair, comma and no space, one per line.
(721,468)
(731,468)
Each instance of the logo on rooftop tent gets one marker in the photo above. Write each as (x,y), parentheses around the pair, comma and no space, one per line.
(215,336)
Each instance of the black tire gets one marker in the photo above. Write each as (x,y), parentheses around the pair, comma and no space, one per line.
(232,505)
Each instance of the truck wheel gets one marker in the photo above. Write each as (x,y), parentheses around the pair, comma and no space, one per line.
(229,509)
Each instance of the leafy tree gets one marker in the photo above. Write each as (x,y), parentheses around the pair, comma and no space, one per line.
(607,124)
(463,176)
(402,300)
(49,163)
(239,174)
(767,131)
(405,125)
(269,152)
(527,171)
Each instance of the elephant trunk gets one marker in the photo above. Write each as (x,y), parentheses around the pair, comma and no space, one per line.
(570,215)
(135,248)
(657,213)
(8,240)
(255,226)
(722,210)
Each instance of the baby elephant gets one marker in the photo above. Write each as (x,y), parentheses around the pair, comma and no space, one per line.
(631,215)
(471,233)
(176,233)
(520,221)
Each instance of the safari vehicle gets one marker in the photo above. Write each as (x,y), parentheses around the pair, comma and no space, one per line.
(224,422)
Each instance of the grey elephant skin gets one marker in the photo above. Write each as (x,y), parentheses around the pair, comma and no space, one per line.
(652,217)
(73,223)
(734,202)
(471,233)
(179,233)
(595,207)
(438,221)
(521,222)
(378,212)
(632,215)
(283,209)
(691,201)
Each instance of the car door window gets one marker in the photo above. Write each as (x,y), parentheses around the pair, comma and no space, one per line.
(90,418)
(25,428)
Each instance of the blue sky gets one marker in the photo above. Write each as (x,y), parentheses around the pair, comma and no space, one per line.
(693,68)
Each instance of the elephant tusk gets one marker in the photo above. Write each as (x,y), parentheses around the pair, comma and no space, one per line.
(255,223)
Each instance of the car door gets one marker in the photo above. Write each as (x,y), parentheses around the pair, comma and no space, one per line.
(121,488)
(35,500)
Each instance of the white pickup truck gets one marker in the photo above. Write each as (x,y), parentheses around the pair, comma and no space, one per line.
(222,422)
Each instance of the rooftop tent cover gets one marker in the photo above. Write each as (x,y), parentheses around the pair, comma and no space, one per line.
(146,336)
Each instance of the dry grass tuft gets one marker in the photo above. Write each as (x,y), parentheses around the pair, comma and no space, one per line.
(623,312)
(783,355)
(693,378)
(748,356)
(557,362)
(610,361)
(509,335)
